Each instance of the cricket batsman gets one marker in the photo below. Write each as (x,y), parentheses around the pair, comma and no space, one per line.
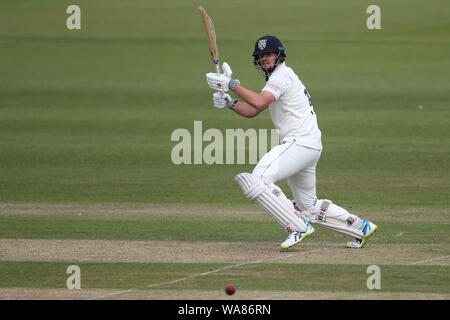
(296,158)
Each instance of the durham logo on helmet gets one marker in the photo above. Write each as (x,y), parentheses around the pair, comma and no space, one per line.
(262,44)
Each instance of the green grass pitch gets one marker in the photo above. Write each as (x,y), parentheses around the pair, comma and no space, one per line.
(86,176)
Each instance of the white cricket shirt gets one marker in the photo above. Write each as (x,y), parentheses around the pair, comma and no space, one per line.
(292,112)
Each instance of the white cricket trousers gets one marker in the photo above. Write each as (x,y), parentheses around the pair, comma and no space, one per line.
(297,164)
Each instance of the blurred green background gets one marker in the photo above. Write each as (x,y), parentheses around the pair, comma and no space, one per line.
(87,115)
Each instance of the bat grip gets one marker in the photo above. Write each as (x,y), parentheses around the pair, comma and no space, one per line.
(217,68)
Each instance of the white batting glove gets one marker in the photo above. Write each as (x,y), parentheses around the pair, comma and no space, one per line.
(226,69)
(222,100)
(227,72)
(217,81)
(223,82)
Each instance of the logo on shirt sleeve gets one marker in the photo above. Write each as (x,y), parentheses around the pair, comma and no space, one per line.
(273,87)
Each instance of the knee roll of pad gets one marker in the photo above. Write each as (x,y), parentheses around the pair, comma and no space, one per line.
(250,184)
(272,200)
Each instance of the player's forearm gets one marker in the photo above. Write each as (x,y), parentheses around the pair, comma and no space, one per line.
(246,110)
(251,97)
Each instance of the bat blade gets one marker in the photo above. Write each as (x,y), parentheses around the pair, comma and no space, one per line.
(211,33)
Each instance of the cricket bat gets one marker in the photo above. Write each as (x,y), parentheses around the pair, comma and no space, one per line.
(211,33)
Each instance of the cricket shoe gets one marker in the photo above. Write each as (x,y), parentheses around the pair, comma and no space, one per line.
(368,230)
(296,237)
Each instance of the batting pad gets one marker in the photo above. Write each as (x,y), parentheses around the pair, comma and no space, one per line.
(272,200)
(331,216)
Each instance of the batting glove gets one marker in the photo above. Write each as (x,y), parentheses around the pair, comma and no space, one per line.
(217,81)
(226,69)
(223,82)
(227,72)
(222,100)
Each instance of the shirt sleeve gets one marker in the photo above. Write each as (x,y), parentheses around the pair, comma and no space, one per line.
(278,84)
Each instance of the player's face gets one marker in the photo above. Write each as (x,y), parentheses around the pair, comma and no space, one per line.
(267,60)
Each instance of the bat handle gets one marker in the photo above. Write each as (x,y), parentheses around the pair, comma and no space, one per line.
(217,68)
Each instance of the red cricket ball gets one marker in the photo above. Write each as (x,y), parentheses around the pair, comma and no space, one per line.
(230,289)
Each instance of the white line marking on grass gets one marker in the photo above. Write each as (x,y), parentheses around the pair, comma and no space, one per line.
(429,260)
(271,297)
(113,294)
(203,274)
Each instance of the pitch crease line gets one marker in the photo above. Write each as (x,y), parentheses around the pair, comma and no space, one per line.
(429,260)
